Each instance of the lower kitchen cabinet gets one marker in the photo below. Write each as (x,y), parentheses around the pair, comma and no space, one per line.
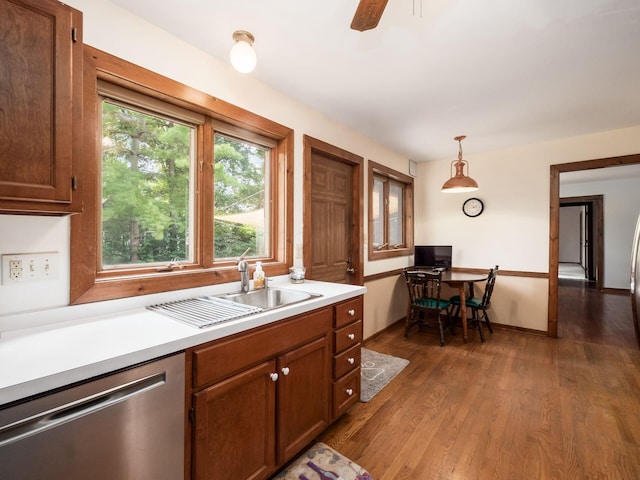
(304,396)
(234,426)
(260,397)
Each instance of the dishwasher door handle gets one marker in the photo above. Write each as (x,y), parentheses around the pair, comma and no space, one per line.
(79,408)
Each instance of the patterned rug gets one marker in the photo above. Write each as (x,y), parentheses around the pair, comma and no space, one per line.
(322,462)
(376,371)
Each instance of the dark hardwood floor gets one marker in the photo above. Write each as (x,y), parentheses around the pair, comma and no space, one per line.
(586,314)
(519,406)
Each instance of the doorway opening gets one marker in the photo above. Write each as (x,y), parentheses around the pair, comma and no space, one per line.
(554,223)
(581,234)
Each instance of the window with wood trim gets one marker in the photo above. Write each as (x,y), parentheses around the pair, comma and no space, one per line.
(175,187)
(390,212)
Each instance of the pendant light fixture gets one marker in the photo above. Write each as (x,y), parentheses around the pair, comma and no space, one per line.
(459,182)
(242,56)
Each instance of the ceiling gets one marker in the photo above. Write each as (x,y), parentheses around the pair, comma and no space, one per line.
(502,72)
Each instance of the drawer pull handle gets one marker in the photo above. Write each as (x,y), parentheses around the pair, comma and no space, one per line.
(285,371)
(349,391)
(351,360)
(351,312)
(274,377)
(351,336)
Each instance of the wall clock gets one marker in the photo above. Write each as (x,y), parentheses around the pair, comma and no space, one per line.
(472,207)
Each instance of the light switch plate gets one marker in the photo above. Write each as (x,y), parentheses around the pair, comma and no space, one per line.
(22,268)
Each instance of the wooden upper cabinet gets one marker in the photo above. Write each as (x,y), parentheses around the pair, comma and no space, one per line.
(40,105)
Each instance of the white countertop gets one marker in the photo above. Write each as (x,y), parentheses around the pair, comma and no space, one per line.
(55,353)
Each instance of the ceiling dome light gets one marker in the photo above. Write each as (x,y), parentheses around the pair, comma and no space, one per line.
(460,182)
(242,56)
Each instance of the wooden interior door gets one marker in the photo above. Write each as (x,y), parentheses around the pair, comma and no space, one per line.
(332,213)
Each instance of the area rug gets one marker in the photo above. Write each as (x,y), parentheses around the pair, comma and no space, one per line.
(323,462)
(376,371)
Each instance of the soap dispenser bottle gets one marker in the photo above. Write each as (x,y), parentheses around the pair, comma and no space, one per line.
(258,276)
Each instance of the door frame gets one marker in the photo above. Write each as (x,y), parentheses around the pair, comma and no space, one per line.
(595,205)
(311,145)
(554,223)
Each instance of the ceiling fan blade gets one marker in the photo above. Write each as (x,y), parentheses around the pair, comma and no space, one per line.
(368,14)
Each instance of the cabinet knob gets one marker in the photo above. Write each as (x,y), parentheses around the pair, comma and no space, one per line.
(351,336)
(285,371)
(351,312)
(351,360)
(274,377)
(349,391)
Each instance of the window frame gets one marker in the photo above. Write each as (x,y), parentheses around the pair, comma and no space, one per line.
(144,104)
(87,282)
(387,175)
(239,134)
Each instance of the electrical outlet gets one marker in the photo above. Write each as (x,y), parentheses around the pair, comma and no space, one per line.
(29,267)
(15,269)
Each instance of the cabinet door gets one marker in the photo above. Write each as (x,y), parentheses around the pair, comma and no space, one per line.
(38,58)
(234,426)
(303,396)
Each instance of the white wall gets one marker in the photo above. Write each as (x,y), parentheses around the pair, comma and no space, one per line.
(621,208)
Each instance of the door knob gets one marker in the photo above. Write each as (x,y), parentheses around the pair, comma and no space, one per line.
(274,377)
(285,371)
(349,391)
(351,312)
(351,336)
(351,360)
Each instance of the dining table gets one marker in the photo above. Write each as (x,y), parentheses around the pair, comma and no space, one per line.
(456,279)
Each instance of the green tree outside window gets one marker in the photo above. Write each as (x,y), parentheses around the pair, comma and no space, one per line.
(240,217)
(146,199)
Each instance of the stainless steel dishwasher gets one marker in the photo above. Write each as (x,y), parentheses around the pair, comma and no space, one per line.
(128,425)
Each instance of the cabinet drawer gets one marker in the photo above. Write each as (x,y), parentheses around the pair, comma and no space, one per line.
(346,392)
(223,358)
(348,336)
(346,361)
(347,312)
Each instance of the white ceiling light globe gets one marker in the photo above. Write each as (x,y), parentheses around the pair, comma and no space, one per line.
(243,57)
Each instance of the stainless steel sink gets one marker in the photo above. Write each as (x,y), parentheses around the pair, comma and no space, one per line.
(214,309)
(268,298)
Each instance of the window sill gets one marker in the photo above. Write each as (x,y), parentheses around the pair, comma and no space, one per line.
(111,288)
(389,253)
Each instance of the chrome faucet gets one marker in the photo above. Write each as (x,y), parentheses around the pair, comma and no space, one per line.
(243,268)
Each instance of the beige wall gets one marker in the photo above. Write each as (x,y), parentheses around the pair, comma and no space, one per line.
(517,301)
(514,183)
(384,303)
(513,231)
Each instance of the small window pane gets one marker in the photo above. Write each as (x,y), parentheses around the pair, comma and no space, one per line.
(378,212)
(396,236)
(147,204)
(241,217)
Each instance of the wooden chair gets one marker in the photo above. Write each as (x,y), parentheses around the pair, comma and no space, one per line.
(478,306)
(425,300)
